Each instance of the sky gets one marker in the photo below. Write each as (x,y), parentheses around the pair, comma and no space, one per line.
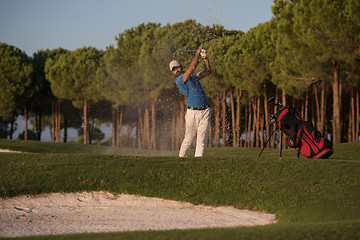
(33,25)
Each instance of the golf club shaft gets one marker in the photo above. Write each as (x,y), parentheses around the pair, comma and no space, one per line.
(183,51)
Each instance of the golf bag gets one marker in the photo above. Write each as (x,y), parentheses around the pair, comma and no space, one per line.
(302,135)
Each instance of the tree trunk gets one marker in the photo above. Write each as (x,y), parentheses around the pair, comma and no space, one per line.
(90,127)
(146,129)
(217,121)
(52,120)
(352,120)
(65,128)
(113,132)
(261,122)
(26,124)
(234,143)
(325,119)
(140,129)
(266,112)
(336,106)
(357,116)
(313,113)
(247,120)
(262,140)
(153,125)
(86,122)
(246,126)
(249,140)
(38,124)
(273,139)
(306,110)
(284,137)
(317,108)
(322,108)
(302,110)
(255,132)
(238,119)
(342,118)
(223,114)
(258,122)
(119,117)
(58,120)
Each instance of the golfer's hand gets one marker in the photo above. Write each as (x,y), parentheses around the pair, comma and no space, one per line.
(203,53)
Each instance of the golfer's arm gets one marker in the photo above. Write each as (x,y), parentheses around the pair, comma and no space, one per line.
(206,71)
(192,67)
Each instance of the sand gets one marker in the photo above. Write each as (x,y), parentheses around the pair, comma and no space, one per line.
(8,151)
(90,212)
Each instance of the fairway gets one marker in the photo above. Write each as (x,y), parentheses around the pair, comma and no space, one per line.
(311,198)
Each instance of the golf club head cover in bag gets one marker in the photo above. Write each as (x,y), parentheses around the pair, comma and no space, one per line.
(302,135)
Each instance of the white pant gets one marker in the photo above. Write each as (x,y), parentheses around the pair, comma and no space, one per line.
(196,123)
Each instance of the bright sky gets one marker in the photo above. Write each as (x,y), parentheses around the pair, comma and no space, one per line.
(32,25)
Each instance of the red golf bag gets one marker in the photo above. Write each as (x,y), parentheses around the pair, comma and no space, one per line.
(302,135)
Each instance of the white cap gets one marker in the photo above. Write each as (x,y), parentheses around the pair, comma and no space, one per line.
(174,63)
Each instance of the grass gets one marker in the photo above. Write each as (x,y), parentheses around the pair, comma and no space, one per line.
(72,147)
(312,199)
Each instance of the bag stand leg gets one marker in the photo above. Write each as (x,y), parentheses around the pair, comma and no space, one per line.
(267,141)
(281,140)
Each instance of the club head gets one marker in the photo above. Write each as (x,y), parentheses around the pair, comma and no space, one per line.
(279,104)
(271,100)
(272,118)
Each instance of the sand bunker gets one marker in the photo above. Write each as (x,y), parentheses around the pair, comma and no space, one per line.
(8,151)
(57,213)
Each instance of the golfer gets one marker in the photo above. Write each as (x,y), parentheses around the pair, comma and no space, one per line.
(198,114)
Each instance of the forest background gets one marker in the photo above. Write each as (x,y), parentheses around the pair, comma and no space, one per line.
(307,55)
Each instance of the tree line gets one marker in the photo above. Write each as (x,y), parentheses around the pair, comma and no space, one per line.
(307,55)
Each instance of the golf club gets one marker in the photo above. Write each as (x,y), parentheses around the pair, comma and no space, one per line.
(272,100)
(183,51)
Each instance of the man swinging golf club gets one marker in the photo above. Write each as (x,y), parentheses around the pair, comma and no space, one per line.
(198,114)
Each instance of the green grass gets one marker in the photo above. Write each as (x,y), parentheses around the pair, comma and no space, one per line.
(72,147)
(312,199)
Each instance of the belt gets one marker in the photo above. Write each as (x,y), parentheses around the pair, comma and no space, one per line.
(199,108)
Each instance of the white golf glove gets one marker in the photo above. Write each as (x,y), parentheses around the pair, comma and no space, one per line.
(203,53)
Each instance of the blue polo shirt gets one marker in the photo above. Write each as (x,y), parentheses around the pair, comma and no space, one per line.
(192,90)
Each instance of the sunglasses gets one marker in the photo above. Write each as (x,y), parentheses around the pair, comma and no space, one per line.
(174,68)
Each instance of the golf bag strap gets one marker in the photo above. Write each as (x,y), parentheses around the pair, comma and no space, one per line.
(296,139)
